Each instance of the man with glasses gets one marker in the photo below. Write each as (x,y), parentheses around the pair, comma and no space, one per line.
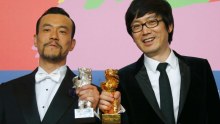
(162,87)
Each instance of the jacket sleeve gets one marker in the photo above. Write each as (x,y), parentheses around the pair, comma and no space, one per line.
(1,106)
(213,99)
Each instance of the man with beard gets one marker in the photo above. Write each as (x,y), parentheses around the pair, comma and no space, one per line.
(45,95)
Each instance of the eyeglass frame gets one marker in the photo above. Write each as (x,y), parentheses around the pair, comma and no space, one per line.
(142,25)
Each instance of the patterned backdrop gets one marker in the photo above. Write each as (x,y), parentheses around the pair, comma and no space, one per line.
(102,40)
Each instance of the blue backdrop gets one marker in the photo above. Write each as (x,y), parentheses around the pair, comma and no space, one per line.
(98,76)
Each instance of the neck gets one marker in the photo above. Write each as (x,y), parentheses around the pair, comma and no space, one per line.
(50,66)
(161,57)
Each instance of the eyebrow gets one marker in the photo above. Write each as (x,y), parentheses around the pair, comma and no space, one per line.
(44,25)
(152,15)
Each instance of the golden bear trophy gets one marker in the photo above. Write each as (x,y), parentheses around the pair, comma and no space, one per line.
(110,85)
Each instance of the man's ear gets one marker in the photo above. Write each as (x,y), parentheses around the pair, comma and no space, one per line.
(170,28)
(35,40)
(73,43)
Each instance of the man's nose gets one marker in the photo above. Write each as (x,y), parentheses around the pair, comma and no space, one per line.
(54,34)
(145,29)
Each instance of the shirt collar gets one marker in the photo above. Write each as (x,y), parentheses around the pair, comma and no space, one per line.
(61,71)
(152,64)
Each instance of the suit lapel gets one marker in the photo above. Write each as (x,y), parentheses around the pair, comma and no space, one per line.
(25,95)
(185,84)
(145,86)
(62,100)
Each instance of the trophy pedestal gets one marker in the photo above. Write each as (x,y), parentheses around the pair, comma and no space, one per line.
(84,113)
(111,119)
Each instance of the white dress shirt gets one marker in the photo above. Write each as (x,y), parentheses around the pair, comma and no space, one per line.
(173,73)
(47,87)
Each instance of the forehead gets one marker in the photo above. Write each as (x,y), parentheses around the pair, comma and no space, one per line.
(56,20)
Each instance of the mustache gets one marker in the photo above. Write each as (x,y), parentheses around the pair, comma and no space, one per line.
(57,44)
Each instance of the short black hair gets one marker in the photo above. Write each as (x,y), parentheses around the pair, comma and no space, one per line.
(139,8)
(56,10)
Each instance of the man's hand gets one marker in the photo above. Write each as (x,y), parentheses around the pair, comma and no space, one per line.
(89,93)
(106,100)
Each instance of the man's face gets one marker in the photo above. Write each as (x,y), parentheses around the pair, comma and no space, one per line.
(153,42)
(54,38)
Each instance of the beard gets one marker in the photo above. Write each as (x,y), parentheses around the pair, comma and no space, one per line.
(52,57)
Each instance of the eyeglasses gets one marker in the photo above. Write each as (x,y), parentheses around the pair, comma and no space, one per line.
(150,24)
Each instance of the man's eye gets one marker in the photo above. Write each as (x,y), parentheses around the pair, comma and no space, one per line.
(63,32)
(136,26)
(151,22)
(46,30)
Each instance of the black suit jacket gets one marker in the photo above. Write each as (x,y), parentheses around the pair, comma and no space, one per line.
(199,99)
(18,102)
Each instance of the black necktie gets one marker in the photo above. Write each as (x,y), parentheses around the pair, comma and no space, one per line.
(166,99)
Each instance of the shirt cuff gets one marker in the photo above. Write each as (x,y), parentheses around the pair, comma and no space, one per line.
(122,110)
(97,113)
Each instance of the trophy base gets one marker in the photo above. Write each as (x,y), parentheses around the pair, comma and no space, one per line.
(84,113)
(84,116)
(111,119)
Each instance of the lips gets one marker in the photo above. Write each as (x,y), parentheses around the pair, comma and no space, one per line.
(52,44)
(150,39)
